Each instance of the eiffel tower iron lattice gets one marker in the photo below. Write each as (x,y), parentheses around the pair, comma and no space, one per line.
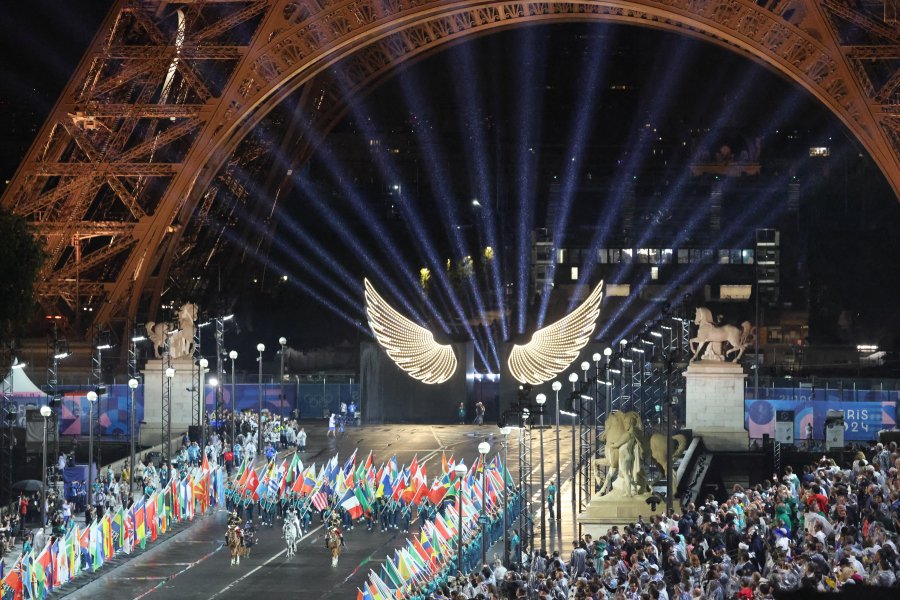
(145,148)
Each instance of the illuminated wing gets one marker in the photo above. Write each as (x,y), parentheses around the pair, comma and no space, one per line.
(553,348)
(410,346)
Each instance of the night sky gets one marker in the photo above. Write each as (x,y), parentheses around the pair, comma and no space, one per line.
(849,233)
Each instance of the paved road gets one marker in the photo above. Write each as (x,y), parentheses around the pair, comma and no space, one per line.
(194,564)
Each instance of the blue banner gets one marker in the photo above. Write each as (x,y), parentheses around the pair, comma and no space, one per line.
(807,394)
(862,420)
(113,407)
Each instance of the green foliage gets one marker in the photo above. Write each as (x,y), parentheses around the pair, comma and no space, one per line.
(21,257)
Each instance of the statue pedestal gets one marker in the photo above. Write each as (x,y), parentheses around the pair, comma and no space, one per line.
(613,509)
(714,397)
(154,375)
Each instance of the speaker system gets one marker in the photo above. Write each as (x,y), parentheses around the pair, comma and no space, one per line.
(194,433)
(784,426)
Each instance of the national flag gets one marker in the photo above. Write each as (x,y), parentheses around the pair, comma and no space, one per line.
(73,552)
(306,482)
(363,497)
(13,588)
(118,529)
(295,469)
(41,571)
(422,552)
(150,517)
(350,462)
(351,504)
(176,498)
(385,485)
(128,532)
(250,486)
(243,474)
(439,489)
(320,500)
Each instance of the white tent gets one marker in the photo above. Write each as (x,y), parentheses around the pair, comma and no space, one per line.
(19,382)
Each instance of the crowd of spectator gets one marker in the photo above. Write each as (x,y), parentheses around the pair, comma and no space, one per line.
(828,528)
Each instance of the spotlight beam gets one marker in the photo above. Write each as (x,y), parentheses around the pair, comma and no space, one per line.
(468,97)
(529,79)
(582,124)
(412,217)
(441,185)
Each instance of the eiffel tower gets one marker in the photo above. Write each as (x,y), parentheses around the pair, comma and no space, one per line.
(143,162)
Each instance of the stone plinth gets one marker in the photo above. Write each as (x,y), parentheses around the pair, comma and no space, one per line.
(185,378)
(605,511)
(714,397)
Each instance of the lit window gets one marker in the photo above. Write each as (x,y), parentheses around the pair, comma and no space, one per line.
(620,290)
(820,151)
(574,273)
(560,256)
(654,273)
(735,292)
(747,255)
(723,257)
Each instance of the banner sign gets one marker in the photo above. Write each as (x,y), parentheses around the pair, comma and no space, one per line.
(862,420)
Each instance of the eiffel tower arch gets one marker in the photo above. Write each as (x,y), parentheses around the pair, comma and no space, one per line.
(144,140)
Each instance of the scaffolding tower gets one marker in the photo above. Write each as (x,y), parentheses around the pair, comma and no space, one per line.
(526,518)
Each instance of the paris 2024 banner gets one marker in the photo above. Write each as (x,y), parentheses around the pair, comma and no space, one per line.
(866,412)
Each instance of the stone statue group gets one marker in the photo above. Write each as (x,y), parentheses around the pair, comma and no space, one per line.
(180,338)
(626,449)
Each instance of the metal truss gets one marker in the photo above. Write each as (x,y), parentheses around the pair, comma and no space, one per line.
(587,432)
(7,409)
(526,517)
(167,406)
(168,123)
(197,391)
(220,365)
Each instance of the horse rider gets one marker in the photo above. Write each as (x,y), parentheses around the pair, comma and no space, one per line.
(234,521)
(334,526)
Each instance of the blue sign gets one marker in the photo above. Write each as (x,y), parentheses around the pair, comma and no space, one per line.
(862,420)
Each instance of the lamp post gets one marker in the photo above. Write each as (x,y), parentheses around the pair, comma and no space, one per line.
(167,438)
(233,356)
(45,412)
(556,386)
(283,341)
(483,449)
(573,378)
(92,399)
(541,399)
(504,431)
(607,352)
(259,425)
(460,471)
(132,384)
(201,400)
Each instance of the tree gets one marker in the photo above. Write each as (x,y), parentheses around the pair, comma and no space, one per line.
(21,257)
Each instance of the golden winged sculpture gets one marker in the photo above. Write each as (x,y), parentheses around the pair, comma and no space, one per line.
(551,349)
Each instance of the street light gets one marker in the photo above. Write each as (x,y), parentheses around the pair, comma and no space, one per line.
(483,449)
(233,356)
(259,427)
(460,471)
(167,434)
(556,386)
(607,352)
(132,383)
(45,412)
(283,341)
(504,431)
(541,399)
(584,367)
(573,377)
(92,399)
(201,402)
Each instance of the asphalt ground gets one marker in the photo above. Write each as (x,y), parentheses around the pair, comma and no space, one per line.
(194,563)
